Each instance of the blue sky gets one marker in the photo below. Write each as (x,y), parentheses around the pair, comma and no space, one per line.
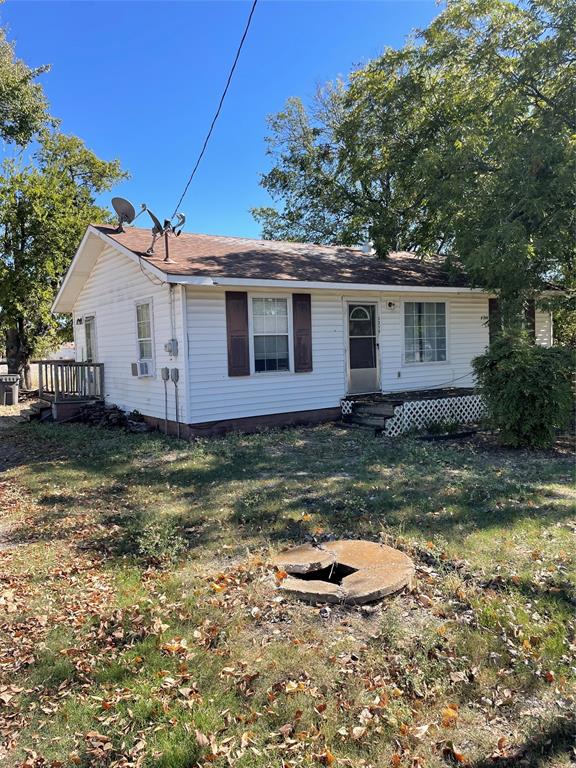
(140,81)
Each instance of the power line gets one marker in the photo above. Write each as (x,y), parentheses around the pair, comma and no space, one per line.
(224,92)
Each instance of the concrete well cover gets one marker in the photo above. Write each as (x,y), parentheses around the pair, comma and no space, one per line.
(378,570)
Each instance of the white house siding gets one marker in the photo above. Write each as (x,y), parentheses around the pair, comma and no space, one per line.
(215,396)
(198,322)
(544,331)
(467,336)
(110,294)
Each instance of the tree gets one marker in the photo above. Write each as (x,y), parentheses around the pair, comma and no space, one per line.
(23,107)
(563,310)
(45,207)
(461,143)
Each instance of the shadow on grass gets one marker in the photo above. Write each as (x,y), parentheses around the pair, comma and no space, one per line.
(563,594)
(270,483)
(556,740)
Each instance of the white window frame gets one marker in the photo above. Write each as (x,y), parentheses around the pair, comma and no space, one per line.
(411,363)
(94,338)
(152,361)
(288,299)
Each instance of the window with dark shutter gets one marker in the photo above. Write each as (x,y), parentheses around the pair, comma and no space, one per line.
(237,332)
(302,323)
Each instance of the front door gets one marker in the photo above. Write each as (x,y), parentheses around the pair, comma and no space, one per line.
(362,348)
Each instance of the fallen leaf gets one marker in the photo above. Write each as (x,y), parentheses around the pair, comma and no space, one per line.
(419,732)
(449,752)
(449,716)
(202,740)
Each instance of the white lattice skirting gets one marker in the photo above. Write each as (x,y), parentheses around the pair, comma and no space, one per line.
(416,414)
(346,406)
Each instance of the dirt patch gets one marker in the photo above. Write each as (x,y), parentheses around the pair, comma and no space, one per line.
(488,442)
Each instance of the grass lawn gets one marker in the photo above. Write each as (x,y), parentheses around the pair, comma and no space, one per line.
(140,624)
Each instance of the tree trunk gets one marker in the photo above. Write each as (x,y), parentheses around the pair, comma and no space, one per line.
(18,354)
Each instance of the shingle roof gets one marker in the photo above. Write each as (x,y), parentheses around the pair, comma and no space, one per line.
(233,257)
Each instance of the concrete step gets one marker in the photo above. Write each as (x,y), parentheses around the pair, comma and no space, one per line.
(41,409)
(39,405)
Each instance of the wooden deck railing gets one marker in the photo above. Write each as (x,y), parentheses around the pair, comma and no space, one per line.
(64,380)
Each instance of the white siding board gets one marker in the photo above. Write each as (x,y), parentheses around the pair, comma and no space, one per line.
(110,293)
(467,337)
(543,322)
(215,396)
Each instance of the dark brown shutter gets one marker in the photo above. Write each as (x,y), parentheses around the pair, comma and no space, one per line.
(302,320)
(494,320)
(237,331)
(530,318)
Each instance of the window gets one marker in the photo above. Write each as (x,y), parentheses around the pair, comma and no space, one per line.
(424,332)
(270,331)
(145,345)
(90,335)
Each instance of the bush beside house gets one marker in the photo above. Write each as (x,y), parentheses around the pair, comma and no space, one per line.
(528,389)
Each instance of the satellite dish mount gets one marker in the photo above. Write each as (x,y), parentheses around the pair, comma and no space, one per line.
(168,228)
(126,215)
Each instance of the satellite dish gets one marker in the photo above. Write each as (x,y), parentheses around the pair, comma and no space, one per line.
(157,228)
(179,224)
(125,211)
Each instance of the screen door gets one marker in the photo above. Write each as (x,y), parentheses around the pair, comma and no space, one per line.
(362,348)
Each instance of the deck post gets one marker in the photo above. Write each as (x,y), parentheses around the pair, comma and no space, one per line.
(40,380)
(101,381)
(56,383)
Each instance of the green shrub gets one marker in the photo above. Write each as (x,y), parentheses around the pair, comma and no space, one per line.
(159,542)
(528,390)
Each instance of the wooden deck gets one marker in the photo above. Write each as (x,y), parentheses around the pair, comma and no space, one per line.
(397,398)
(373,410)
(66,381)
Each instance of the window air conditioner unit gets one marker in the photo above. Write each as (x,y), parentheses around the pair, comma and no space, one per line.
(142,368)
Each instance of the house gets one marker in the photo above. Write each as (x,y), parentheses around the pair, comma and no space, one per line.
(263,332)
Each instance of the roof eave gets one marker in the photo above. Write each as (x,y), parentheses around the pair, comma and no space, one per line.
(67,295)
(61,303)
(317,285)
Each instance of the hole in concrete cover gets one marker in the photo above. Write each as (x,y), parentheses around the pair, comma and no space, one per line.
(346,571)
(333,574)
